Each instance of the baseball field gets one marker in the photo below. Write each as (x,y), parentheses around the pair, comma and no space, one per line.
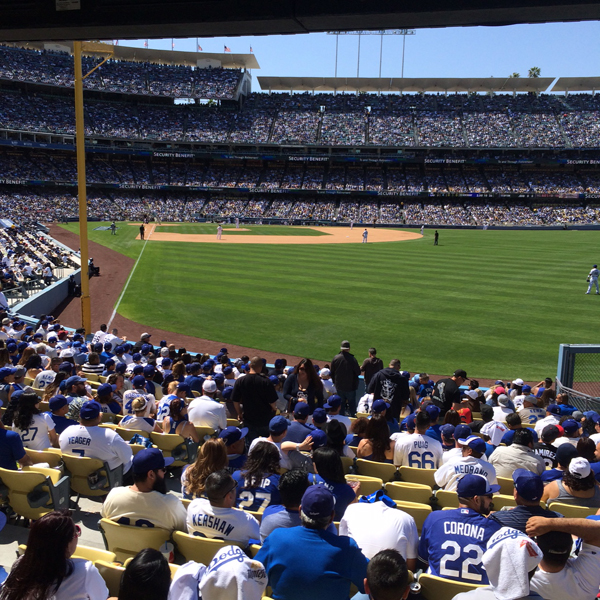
(496,303)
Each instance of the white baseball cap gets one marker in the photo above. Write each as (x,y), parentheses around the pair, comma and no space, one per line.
(209,386)
(518,381)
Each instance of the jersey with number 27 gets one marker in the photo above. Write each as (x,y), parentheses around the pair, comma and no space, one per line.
(419,451)
(257,498)
(453,543)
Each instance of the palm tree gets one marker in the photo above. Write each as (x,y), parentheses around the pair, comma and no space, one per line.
(534,72)
(514,75)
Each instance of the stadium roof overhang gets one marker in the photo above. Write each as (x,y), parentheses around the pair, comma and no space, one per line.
(135,19)
(577,84)
(169,57)
(416,84)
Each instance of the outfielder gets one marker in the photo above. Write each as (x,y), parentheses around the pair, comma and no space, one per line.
(219,232)
(593,279)
(365,235)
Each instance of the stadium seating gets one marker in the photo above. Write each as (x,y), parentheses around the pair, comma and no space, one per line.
(183,450)
(111,573)
(54,459)
(85,552)
(437,588)
(198,548)
(416,475)
(383,471)
(368,485)
(126,541)
(572,511)
(410,492)
(419,512)
(90,476)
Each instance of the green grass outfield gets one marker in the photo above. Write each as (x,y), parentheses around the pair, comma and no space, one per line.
(496,303)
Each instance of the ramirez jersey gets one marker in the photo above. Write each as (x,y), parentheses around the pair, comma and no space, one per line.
(448,475)
(417,450)
(257,498)
(453,543)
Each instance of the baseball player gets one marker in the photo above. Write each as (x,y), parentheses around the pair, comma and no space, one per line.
(453,541)
(422,229)
(219,232)
(365,235)
(417,449)
(593,279)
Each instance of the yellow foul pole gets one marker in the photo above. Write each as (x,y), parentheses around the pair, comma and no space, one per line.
(86,313)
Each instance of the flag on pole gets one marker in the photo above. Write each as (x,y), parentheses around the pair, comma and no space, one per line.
(198,45)
(145,43)
(116,42)
(251,51)
(172,44)
(227,49)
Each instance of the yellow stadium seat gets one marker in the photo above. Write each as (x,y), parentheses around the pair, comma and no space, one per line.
(507,486)
(85,552)
(205,431)
(384,471)
(158,393)
(416,475)
(256,514)
(111,574)
(253,550)
(501,500)
(102,378)
(476,416)
(233,423)
(44,406)
(183,450)
(110,417)
(571,511)
(409,492)
(34,491)
(127,434)
(199,549)
(447,499)
(28,381)
(368,485)
(419,512)
(135,448)
(38,392)
(185,502)
(172,567)
(90,476)
(126,540)
(54,459)
(109,425)
(437,588)
(347,464)
(91,377)
(362,415)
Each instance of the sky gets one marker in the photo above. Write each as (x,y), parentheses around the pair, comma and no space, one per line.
(559,49)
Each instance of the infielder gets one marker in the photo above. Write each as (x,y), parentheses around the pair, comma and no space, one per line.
(219,232)
(593,279)
(365,235)
(422,229)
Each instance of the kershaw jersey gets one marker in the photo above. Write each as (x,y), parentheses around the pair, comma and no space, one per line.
(453,543)
(417,450)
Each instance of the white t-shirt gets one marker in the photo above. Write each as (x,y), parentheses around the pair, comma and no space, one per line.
(133,422)
(43,379)
(565,440)
(342,419)
(455,453)
(495,431)
(84,583)
(500,413)
(206,412)
(36,437)
(579,580)
(549,420)
(376,527)
(595,438)
(418,450)
(448,475)
(231,524)
(97,442)
(129,507)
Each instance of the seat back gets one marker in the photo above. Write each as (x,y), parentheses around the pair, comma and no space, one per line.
(111,574)
(447,499)
(571,511)
(368,485)
(409,492)
(127,540)
(204,431)
(198,548)
(371,468)
(85,552)
(507,486)
(416,475)
(54,459)
(183,450)
(437,588)
(127,434)
(90,476)
(419,512)
(347,464)
(501,500)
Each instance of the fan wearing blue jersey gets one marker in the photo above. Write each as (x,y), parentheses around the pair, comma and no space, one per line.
(453,541)
(258,482)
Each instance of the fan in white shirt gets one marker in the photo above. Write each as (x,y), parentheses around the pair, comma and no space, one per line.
(417,449)
(35,429)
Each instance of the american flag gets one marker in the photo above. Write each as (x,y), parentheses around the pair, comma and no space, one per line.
(251,51)
(116,42)
(145,43)
(172,44)
(227,49)
(199,48)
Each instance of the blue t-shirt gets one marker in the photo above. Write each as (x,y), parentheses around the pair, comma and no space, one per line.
(453,543)
(257,498)
(195,383)
(567,409)
(343,493)
(236,462)
(61,423)
(434,432)
(306,563)
(297,432)
(11,449)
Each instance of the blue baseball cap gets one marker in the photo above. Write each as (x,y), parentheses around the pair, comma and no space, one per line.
(105,389)
(526,388)
(472,485)
(319,438)
(227,391)
(462,431)
(74,379)
(109,363)
(319,416)
(447,431)
(301,410)
(149,371)
(6,371)
(529,485)
(136,356)
(138,369)
(333,402)
(380,405)
(233,434)
(121,368)
(274,379)
(90,410)
(228,370)
(317,502)
(218,378)
(139,381)
(570,426)
(278,425)
(474,442)
(57,402)
(150,459)
(553,409)
(410,421)
(434,412)
(592,415)
(108,346)
(185,387)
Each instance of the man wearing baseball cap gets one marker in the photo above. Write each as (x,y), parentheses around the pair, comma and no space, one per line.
(572,433)
(59,407)
(333,408)
(298,428)
(552,418)
(235,442)
(89,440)
(447,391)
(462,431)
(392,386)
(519,454)
(206,410)
(139,389)
(448,533)
(77,394)
(324,563)
(529,489)
(146,503)
(471,462)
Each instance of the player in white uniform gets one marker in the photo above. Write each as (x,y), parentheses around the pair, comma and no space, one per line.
(593,279)
(219,232)
(365,235)
(89,440)
(417,449)
(217,517)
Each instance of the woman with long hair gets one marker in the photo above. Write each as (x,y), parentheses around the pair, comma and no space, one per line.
(212,457)
(258,481)
(27,354)
(54,388)
(177,421)
(146,577)
(4,357)
(336,438)
(47,572)
(452,418)
(36,429)
(330,473)
(376,444)
(118,380)
(177,375)
(304,385)
(34,366)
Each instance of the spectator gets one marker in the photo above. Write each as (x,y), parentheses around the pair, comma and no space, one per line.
(298,429)
(387,577)
(371,366)
(418,449)
(578,486)
(545,448)
(519,454)
(376,444)
(447,391)
(59,407)
(304,385)
(177,422)
(235,442)
(36,429)
(206,410)
(212,457)
(147,576)
(344,372)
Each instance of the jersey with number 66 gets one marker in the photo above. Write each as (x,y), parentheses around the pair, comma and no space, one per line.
(418,450)
(257,498)
(453,543)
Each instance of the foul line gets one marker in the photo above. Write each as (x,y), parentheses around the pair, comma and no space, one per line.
(114,312)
